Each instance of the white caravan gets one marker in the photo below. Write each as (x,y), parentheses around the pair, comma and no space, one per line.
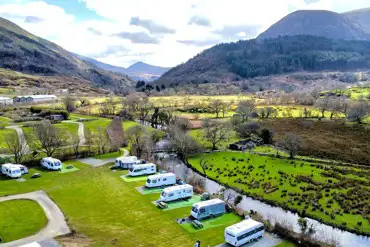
(51,164)
(127,162)
(13,171)
(161,180)
(176,192)
(206,209)
(244,232)
(140,170)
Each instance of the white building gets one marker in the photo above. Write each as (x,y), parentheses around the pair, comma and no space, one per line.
(34,98)
(5,101)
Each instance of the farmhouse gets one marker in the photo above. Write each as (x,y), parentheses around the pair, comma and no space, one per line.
(34,98)
(6,101)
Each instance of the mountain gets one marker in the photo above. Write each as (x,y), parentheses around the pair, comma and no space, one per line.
(317,23)
(360,18)
(101,65)
(254,58)
(24,52)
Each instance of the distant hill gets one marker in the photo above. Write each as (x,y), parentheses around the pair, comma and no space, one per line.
(137,71)
(26,53)
(360,18)
(318,23)
(254,58)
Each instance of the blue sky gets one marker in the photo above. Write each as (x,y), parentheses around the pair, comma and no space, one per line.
(159,32)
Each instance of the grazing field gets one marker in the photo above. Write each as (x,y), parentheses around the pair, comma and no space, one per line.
(326,139)
(332,194)
(352,93)
(4,121)
(197,134)
(20,218)
(109,211)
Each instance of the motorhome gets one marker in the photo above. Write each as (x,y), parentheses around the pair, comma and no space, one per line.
(127,162)
(244,232)
(140,170)
(51,164)
(206,209)
(176,192)
(159,180)
(13,171)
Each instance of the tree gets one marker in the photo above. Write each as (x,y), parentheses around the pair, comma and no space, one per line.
(116,134)
(204,165)
(216,106)
(215,132)
(137,137)
(322,105)
(70,104)
(16,146)
(101,140)
(266,112)
(76,143)
(267,136)
(47,139)
(291,143)
(183,143)
(245,130)
(89,140)
(225,108)
(246,108)
(144,108)
(359,111)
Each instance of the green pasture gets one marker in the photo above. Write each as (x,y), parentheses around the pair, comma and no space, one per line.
(3,133)
(273,179)
(129,179)
(352,93)
(223,220)
(4,121)
(20,218)
(197,134)
(181,203)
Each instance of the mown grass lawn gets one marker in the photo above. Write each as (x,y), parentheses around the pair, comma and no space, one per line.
(285,182)
(99,204)
(3,134)
(19,219)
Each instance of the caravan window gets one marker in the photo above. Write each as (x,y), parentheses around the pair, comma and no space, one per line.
(164,194)
(148,181)
(247,234)
(165,179)
(171,194)
(131,169)
(154,181)
(194,209)
(202,210)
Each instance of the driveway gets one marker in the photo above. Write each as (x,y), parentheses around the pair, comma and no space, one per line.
(56,225)
(100,162)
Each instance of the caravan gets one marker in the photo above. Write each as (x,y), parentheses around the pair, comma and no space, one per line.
(210,208)
(51,164)
(127,162)
(13,171)
(161,180)
(140,170)
(177,192)
(244,232)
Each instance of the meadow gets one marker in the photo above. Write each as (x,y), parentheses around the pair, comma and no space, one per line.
(332,194)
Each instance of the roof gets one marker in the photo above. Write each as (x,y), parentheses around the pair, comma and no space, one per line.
(38,96)
(12,166)
(128,159)
(5,98)
(50,159)
(178,187)
(163,175)
(209,202)
(145,165)
(242,226)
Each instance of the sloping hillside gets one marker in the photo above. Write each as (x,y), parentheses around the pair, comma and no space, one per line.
(317,23)
(23,52)
(360,18)
(254,58)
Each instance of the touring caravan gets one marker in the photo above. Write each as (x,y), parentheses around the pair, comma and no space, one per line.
(210,208)
(161,180)
(127,162)
(51,164)
(140,170)
(13,171)
(244,232)
(176,192)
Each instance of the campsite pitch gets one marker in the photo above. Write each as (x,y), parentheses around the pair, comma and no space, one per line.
(129,179)
(66,170)
(224,220)
(182,203)
(145,191)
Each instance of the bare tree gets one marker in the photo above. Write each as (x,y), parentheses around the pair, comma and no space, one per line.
(291,143)
(216,106)
(323,105)
(216,132)
(47,139)
(116,134)
(137,137)
(76,142)
(226,107)
(359,111)
(16,146)
(267,112)
(70,103)
(183,143)
(133,100)
(204,165)
(101,140)
(246,108)
(144,109)
(89,140)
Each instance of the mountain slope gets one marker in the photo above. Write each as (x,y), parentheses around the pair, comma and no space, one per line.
(254,58)
(360,18)
(101,65)
(316,23)
(23,52)
(144,71)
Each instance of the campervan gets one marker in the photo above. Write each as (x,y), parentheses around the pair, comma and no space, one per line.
(159,180)
(13,171)
(244,232)
(51,164)
(176,192)
(140,170)
(210,208)
(127,162)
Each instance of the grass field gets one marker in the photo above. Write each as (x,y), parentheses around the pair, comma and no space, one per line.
(109,211)
(4,121)
(20,218)
(316,190)
(353,93)
(226,219)
(3,133)
(197,134)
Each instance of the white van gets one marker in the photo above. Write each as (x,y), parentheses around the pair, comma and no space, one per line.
(11,170)
(161,180)
(127,162)
(244,232)
(206,209)
(177,192)
(51,164)
(140,170)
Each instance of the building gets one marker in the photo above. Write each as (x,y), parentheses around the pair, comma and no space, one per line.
(5,101)
(34,98)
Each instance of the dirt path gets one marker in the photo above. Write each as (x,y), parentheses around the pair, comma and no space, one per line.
(56,225)
(81,131)
(100,162)
(21,137)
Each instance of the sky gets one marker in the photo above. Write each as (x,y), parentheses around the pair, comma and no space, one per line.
(159,32)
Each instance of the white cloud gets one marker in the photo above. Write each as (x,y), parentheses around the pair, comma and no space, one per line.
(170,31)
